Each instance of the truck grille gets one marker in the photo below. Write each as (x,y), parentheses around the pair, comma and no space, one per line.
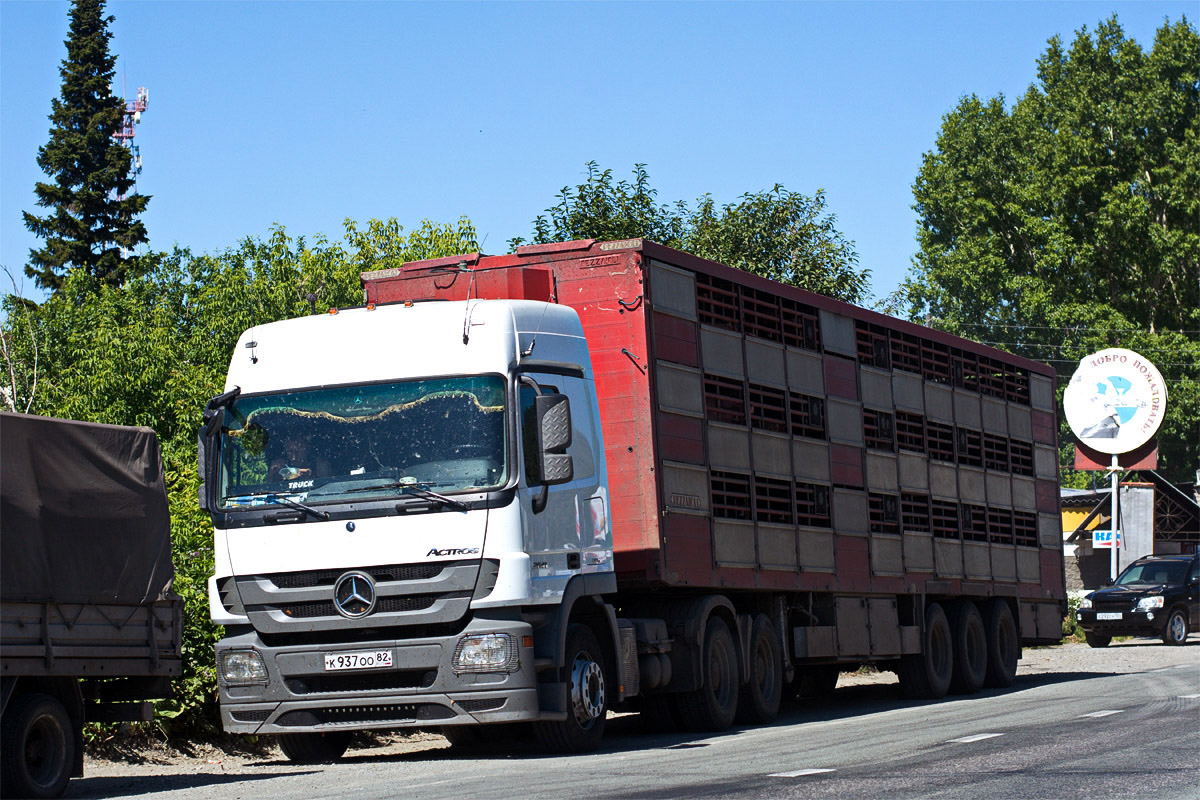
(385,605)
(326,577)
(406,595)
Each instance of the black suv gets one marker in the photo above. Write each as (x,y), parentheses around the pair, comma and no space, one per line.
(1154,596)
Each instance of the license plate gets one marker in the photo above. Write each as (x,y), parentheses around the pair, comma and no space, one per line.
(365,659)
(1100,615)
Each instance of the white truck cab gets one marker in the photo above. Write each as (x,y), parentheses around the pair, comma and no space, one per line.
(407,500)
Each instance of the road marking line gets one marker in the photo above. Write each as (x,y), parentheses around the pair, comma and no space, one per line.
(800,773)
(1104,713)
(1184,666)
(979,737)
(1188,696)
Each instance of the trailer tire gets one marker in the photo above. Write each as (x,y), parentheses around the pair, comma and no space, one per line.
(713,706)
(38,747)
(587,697)
(970,649)
(758,701)
(314,748)
(927,675)
(1003,646)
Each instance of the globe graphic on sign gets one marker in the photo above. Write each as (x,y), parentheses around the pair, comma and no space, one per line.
(1115,401)
(1113,394)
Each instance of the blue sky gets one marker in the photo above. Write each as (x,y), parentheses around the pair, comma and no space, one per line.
(305,113)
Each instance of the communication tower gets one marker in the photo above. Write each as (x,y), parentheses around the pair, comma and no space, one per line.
(125,133)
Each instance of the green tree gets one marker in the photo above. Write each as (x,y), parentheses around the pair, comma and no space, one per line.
(154,349)
(1070,221)
(90,223)
(778,234)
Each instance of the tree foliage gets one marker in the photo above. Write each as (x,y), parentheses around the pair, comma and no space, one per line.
(90,223)
(153,350)
(1070,221)
(778,234)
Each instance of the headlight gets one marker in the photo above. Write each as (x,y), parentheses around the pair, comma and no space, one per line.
(240,667)
(491,652)
(1151,602)
(1085,602)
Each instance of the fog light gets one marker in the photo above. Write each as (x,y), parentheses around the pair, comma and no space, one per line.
(1149,616)
(491,652)
(240,667)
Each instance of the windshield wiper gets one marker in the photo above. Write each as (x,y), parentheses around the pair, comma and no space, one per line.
(411,486)
(296,504)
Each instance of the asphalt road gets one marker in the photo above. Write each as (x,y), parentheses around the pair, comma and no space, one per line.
(1078,723)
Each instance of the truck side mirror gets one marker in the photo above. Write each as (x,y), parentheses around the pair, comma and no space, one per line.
(552,413)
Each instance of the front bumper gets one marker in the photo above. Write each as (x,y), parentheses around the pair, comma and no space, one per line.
(420,689)
(1130,623)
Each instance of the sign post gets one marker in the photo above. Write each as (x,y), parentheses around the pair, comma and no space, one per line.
(1114,404)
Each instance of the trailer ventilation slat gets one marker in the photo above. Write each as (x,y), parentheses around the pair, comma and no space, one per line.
(878,430)
(914,510)
(939,439)
(724,399)
(1025,533)
(801,325)
(884,512)
(773,500)
(995,452)
(807,416)
(906,352)
(910,431)
(760,312)
(1021,457)
(944,516)
(730,495)
(969,447)
(717,302)
(812,505)
(1000,525)
(768,408)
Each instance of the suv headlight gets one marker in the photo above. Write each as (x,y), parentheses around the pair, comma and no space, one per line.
(240,667)
(1154,601)
(1085,602)
(489,652)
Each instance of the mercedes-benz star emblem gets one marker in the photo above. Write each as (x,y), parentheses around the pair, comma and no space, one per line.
(354,595)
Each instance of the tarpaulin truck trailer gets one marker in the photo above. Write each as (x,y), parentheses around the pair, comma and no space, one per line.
(535,486)
(90,629)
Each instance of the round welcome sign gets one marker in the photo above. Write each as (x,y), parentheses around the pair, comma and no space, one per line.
(1115,401)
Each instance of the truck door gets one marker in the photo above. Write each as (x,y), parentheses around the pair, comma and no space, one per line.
(571,534)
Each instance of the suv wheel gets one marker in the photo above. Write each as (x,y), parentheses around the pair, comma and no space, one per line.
(1176,631)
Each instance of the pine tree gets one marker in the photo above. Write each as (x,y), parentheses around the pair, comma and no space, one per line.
(87,226)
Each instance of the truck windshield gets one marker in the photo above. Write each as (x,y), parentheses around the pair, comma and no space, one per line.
(332,444)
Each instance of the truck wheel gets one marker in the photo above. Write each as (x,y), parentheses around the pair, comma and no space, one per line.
(758,702)
(1096,639)
(927,674)
(818,681)
(38,747)
(1176,630)
(314,748)
(970,650)
(587,698)
(712,707)
(1003,646)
